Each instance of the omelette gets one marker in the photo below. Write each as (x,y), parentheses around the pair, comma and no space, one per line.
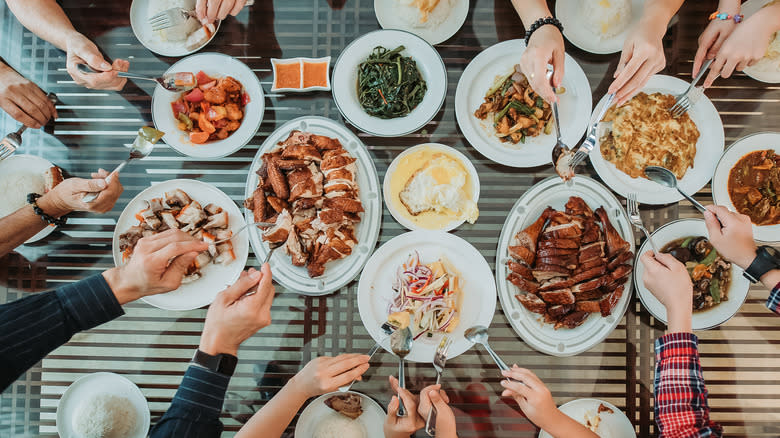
(644,133)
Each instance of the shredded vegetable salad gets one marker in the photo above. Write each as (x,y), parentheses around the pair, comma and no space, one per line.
(429,294)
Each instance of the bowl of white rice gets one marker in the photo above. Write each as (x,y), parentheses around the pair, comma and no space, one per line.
(103,405)
(598,26)
(19,175)
(320,421)
(180,40)
(766,69)
(435,21)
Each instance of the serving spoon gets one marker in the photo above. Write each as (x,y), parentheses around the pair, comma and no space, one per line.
(181,81)
(666,178)
(401,344)
(479,335)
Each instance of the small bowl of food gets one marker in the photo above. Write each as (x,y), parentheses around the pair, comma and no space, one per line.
(432,187)
(341,415)
(389,83)
(299,75)
(180,40)
(218,116)
(719,289)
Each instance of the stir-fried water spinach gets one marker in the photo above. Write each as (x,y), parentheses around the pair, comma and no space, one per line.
(389,84)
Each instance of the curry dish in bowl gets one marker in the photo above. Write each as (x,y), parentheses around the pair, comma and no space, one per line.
(754,187)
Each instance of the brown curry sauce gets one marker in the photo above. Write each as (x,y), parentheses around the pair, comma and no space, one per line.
(754,187)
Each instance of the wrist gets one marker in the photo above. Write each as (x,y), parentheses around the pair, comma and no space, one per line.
(745,260)
(123,290)
(210,344)
(53,206)
(554,421)
(679,319)
(298,387)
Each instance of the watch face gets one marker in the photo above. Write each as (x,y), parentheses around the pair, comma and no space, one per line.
(774,253)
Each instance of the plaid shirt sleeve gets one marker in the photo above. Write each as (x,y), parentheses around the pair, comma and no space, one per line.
(773,302)
(681,409)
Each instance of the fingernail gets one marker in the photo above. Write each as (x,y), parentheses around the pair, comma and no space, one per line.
(105,66)
(503,383)
(204,21)
(254,275)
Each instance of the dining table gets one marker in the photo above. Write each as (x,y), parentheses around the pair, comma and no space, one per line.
(152,347)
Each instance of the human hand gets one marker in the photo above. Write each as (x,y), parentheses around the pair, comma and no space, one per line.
(711,40)
(68,195)
(544,47)
(445,418)
(668,280)
(531,395)
(23,100)
(402,427)
(235,315)
(209,11)
(734,240)
(642,57)
(157,265)
(83,51)
(326,374)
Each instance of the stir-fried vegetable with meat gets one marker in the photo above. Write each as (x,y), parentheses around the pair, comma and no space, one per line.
(754,187)
(211,111)
(710,273)
(389,85)
(428,296)
(515,110)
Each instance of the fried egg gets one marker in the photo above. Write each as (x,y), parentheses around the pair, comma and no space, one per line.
(439,186)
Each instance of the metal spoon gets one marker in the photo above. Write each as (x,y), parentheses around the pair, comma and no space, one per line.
(182,81)
(560,147)
(388,330)
(401,344)
(665,177)
(479,335)
(142,146)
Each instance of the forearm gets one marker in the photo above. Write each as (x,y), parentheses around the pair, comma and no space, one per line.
(766,20)
(44,18)
(731,7)
(272,420)
(563,426)
(657,14)
(22,224)
(531,10)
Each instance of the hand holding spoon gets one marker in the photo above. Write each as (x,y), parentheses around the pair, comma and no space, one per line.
(479,335)
(181,81)
(666,178)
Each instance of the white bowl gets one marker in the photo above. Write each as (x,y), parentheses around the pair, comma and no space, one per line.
(373,417)
(568,11)
(388,17)
(139,22)
(32,167)
(614,425)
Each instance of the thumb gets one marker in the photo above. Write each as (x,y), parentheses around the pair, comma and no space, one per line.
(179,266)
(392,408)
(88,185)
(713,226)
(91,55)
(559,59)
(436,398)
(245,282)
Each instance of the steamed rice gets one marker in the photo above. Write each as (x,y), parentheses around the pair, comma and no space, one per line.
(338,426)
(771,60)
(606,18)
(175,36)
(105,416)
(14,188)
(415,13)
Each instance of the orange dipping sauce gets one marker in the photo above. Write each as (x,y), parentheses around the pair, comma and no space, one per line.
(288,76)
(315,74)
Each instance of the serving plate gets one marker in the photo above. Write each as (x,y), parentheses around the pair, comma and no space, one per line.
(569,13)
(215,65)
(496,61)
(476,281)
(215,277)
(530,326)
(340,272)
(720,192)
(31,167)
(345,75)
(387,14)
(139,22)
(614,425)
(708,148)
(373,417)
(747,9)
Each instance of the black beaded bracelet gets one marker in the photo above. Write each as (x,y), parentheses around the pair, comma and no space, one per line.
(542,22)
(32,199)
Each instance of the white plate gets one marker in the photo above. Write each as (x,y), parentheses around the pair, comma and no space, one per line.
(394,204)
(373,417)
(345,74)
(98,383)
(496,61)
(749,8)
(32,167)
(738,288)
(139,21)
(614,425)
(720,192)
(375,288)
(708,148)
(215,277)
(214,65)
(339,272)
(570,15)
(387,14)
(530,326)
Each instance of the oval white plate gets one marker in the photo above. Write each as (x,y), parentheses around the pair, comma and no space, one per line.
(387,14)
(614,425)
(394,204)
(32,167)
(345,74)
(375,288)
(98,383)
(568,11)
(738,289)
(496,61)
(720,193)
(747,9)
(139,22)
(339,272)
(215,65)
(373,417)
(530,326)
(708,148)
(215,278)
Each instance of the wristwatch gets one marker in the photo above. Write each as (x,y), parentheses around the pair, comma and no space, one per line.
(221,363)
(767,258)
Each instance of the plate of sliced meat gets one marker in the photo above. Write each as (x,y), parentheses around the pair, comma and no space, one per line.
(196,208)
(564,265)
(314,179)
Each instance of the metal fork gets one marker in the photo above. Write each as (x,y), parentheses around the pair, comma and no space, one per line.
(388,329)
(590,142)
(11,143)
(683,102)
(259,224)
(175,16)
(632,208)
(439,360)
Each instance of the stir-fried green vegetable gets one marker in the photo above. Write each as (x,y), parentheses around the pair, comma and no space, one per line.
(389,84)
(715,290)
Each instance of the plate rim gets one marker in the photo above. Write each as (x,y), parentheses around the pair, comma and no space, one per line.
(442,37)
(589,49)
(321,400)
(545,434)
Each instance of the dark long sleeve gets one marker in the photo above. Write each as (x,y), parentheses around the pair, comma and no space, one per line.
(30,328)
(195,409)
(773,302)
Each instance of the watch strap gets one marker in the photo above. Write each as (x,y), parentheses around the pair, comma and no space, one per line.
(220,363)
(763,263)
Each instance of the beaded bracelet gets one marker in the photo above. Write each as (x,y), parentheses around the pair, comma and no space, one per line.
(717,15)
(32,199)
(542,22)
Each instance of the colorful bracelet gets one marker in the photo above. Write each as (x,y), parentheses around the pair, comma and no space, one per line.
(718,16)
(542,22)
(32,199)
